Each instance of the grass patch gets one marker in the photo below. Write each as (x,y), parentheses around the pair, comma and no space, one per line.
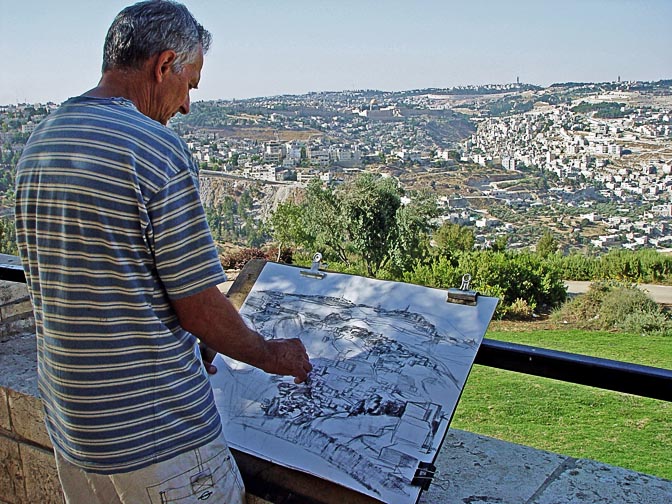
(574,420)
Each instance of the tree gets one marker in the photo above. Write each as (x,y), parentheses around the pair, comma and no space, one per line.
(451,238)
(245,202)
(288,226)
(547,244)
(325,222)
(500,243)
(364,220)
(370,206)
(413,222)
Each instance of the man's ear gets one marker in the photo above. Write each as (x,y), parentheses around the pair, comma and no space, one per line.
(164,64)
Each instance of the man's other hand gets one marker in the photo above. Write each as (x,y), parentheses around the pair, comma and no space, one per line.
(207,356)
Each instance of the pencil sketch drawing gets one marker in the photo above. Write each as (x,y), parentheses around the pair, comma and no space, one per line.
(389,364)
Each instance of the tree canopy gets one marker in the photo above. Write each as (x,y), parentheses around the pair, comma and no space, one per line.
(363,221)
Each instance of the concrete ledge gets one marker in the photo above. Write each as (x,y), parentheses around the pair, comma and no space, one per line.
(479,469)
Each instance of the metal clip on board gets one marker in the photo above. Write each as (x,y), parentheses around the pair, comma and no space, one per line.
(463,295)
(314,271)
(424,475)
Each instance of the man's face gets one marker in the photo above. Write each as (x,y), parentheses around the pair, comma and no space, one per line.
(174,90)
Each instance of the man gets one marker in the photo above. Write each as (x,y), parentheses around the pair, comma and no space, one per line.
(122,272)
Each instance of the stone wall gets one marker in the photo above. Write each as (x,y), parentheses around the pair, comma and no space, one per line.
(27,466)
(16,312)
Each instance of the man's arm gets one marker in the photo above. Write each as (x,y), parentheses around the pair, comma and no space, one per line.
(211,317)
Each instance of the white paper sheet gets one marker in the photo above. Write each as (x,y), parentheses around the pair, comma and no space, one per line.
(390,361)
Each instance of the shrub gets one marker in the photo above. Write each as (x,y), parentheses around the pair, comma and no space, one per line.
(656,266)
(238,259)
(286,255)
(518,275)
(574,266)
(520,310)
(440,273)
(623,301)
(646,323)
(644,265)
(513,277)
(583,310)
(614,306)
(620,264)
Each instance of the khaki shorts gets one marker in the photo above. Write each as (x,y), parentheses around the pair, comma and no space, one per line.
(206,475)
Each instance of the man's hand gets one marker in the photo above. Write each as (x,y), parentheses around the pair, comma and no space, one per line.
(211,317)
(208,355)
(289,358)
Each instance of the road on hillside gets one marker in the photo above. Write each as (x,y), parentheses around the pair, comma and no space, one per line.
(659,293)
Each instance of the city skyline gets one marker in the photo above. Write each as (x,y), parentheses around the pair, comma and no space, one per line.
(261,48)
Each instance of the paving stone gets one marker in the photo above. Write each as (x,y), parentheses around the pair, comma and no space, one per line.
(28,418)
(12,490)
(478,469)
(18,309)
(590,482)
(42,484)
(473,469)
(18,362)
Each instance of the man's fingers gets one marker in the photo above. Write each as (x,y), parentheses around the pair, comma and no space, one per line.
(291,359)
(300,377)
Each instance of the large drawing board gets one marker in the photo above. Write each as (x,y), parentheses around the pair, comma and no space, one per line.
(389,359)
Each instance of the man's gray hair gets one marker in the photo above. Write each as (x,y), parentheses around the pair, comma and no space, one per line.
(148,28)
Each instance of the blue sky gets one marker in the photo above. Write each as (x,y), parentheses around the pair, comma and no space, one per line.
(51,50)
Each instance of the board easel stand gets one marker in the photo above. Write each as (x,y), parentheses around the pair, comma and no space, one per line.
(274,482)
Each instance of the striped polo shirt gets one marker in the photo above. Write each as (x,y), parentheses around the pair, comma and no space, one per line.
(110,228)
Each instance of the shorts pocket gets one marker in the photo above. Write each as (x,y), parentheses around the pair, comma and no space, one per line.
(215,480)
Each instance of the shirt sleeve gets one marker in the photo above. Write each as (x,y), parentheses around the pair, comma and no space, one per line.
(185,254)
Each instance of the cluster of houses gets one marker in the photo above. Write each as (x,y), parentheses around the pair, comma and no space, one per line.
(627,161)
(626,156)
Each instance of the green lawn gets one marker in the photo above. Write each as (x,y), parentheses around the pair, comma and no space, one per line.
(574,420)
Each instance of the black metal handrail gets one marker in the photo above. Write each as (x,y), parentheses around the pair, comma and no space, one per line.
(606,374)
(645,381)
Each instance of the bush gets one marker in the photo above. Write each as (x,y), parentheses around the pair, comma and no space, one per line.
(656,266)
(646,265)
(440,273)
(646,323)
(614,306)
(517,275)
(286,255)
(522,281)
(623,301)
(574,266)
(519,310)
(620,264)
(239,258)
